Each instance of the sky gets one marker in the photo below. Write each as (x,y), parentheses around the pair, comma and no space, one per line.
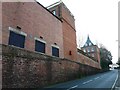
(96,18)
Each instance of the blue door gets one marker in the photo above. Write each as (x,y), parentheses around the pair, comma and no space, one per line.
(39,46)
(55,51)
(16,39)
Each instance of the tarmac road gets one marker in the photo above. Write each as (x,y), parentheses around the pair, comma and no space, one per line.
(100,81)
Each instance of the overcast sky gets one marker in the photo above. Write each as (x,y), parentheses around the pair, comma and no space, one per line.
(98,18)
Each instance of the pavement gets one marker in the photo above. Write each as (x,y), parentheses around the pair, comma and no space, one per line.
(117,85)
(100,81)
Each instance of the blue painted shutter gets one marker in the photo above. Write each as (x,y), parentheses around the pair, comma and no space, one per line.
(16,39)
(39,46)
(55,51)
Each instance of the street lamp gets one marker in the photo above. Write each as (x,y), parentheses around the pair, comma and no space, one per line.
(118,52)
(118,43)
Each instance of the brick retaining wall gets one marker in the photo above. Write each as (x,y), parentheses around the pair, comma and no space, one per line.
(26,69)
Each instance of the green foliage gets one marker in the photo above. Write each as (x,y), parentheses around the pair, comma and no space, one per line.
(105,58)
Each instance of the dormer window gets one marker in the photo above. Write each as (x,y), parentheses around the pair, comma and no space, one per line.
(92,49)
(90,44)
(88,50)
(84,50)
(54,12)
(93,55)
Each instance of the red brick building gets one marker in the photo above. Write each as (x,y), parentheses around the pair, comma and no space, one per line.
(92,50)
(34,24)
(68,28)
(50,31)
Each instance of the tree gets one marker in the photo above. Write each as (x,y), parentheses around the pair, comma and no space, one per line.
(105,58)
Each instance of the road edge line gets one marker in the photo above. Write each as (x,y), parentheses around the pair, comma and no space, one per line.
(113,86)
(87,81)
(72,87)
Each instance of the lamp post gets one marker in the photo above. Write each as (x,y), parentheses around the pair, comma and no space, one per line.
(118,52)
(118,43)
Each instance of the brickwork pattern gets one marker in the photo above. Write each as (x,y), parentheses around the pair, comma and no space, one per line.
(26,69)
(35,21)
(28,16)
(87,61)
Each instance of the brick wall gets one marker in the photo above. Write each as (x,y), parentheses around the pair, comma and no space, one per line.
(69,42)
(26,69)
(69,34)
(0,66)
(22,68)
(57,10)
(67,15)
(0,22)
(0,46)
(96,51)
(35,21)
(87,61)
(68,29)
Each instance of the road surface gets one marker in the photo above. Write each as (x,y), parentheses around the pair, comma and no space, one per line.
(104,80)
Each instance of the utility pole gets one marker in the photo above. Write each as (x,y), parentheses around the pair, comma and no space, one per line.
(118,52)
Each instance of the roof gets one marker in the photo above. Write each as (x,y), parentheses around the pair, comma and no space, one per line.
(58,3)
(48,10)
(88,42)
(55,4)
